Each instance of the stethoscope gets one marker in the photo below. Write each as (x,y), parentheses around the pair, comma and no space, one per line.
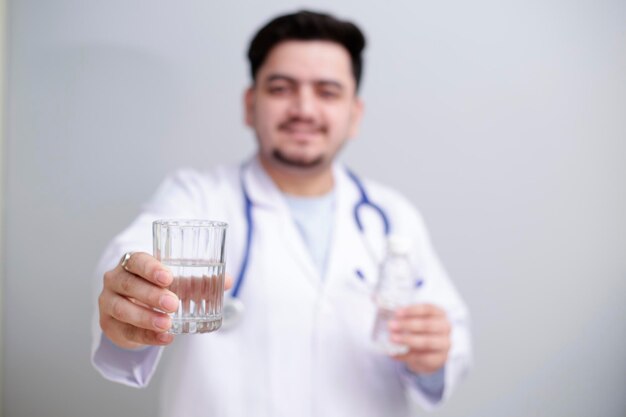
(233,308)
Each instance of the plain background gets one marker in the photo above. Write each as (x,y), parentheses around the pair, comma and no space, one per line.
(505,122)
(2,164)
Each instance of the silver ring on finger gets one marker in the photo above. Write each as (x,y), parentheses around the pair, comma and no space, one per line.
(125,259)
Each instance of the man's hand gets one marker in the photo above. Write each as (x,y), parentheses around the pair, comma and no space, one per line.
(129,298)
(425,329)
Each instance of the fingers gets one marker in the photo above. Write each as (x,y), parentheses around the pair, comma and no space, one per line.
(147,267)
(228,282)
(129,298)
(127,284)
(128,301)
(425,319)
(124,310)
(128,336)
(423,325)
(422,343)
(420,310)
(128,324)
(425,329)
(420,322)
(143,279)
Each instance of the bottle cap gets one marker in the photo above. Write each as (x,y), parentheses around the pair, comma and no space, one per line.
(398,244)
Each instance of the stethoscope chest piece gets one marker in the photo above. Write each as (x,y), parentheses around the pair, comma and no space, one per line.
(231,313)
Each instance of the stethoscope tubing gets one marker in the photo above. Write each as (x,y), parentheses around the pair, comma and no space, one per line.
(365,201)
(249,227)
(248,205)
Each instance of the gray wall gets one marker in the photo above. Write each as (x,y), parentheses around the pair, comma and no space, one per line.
(506,124)
(2,141)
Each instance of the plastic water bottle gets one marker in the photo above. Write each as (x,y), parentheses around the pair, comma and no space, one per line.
(395,289)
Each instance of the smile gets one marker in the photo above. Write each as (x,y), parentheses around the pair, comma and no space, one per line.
(301,130)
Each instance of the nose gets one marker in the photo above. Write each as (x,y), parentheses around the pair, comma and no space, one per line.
(303,104)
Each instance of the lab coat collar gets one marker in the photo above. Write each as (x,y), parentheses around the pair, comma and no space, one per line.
(264,193)
(260,187)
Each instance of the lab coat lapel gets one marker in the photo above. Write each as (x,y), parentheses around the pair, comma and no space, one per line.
(354,256)
(345,239)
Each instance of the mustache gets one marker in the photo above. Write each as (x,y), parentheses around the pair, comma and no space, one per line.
(298,121)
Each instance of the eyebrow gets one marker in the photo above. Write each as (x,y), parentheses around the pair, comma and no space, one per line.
(291,80)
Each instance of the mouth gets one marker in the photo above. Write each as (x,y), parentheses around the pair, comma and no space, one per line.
(301,130)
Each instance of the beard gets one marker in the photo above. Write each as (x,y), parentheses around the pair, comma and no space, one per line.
(297,162)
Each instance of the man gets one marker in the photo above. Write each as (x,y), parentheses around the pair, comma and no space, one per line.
(304,270)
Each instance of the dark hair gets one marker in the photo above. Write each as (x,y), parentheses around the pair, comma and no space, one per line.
(307,25)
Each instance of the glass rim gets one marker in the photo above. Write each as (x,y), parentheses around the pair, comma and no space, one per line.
(190,223)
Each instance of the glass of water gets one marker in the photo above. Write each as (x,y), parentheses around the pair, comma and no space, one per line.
(193,250)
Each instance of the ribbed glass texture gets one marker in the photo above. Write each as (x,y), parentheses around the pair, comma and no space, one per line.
(193,250)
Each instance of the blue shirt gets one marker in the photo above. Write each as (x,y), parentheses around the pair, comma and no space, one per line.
(313,217)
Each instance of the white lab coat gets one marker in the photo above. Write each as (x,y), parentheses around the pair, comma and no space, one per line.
(303,347)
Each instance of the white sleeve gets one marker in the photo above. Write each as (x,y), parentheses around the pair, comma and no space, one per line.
(178,196)
(129,367)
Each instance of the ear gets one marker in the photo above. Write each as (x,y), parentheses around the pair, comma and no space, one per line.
(248,103)
(355,120)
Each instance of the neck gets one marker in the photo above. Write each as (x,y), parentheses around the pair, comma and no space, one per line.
(300,182)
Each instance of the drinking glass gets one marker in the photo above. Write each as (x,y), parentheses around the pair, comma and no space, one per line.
(193,250)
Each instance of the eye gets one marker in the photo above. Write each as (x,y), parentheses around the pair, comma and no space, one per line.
(279,89)
(328,93)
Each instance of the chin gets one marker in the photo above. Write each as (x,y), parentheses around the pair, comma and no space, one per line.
(298,161)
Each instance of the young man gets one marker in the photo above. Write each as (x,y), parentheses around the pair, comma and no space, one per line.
(304,268)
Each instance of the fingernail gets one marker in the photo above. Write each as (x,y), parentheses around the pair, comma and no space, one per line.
(162,323)
(393,325)
(165,337)
(162,278)
(169,302)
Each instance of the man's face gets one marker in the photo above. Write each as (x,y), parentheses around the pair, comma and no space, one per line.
(303,106)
